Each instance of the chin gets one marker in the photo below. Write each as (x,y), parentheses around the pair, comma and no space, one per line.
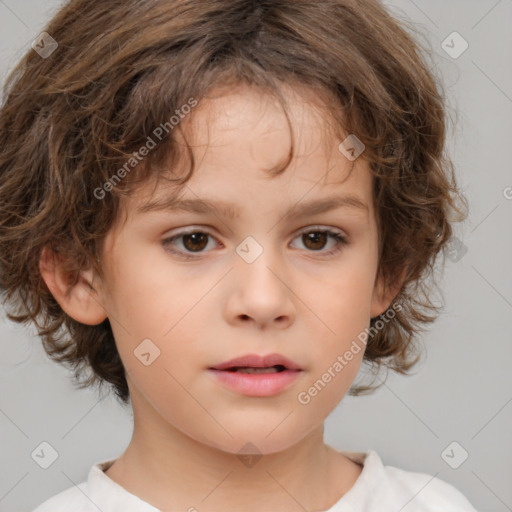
(252,443)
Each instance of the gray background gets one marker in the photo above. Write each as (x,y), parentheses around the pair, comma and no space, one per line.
(461,392)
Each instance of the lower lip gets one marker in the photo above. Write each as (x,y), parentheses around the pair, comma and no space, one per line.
(257,384)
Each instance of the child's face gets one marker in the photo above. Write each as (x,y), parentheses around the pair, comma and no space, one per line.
(294,299)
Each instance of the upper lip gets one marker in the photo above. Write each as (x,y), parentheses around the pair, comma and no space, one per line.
(258,361)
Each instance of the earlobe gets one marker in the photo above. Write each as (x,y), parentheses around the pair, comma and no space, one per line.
(382,298)
(79,300)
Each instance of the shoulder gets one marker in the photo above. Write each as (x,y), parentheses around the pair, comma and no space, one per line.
(91,495)
(97,493)
(383,488)
(74,498)
(425,492)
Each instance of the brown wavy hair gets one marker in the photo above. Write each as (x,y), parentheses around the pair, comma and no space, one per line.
(70,120)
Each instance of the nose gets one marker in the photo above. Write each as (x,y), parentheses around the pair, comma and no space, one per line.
(261,293)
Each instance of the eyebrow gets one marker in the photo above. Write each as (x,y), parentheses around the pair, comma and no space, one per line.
(228,210)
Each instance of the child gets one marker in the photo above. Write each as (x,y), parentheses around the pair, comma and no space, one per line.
(222,209)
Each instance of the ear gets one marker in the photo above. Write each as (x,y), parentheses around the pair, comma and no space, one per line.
(382,298)
(80,301)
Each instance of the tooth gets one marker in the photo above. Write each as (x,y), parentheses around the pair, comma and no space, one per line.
(257,370)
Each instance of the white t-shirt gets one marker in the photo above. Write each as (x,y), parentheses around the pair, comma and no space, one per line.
(378,489)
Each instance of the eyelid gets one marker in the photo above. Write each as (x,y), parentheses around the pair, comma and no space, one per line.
(335,233)
(320,227)
(207,229)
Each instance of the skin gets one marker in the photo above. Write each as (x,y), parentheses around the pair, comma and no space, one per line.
(293,299)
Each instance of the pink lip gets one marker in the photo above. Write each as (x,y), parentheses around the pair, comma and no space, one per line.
(257,361)
(263,384)
(252,384)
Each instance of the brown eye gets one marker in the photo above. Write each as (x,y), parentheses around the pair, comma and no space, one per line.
(191,242)
(315,240)
(195,241)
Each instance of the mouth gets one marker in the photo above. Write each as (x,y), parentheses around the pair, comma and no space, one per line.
(255,363)
(257,376)
(251,369)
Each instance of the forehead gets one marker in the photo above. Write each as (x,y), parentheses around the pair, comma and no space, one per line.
(238,135)
(258,118)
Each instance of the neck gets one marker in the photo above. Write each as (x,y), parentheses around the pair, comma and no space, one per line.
(173,471)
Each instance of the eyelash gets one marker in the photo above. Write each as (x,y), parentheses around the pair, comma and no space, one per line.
(340,239)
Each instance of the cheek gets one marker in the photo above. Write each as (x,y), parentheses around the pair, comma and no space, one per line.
(163,390)
(328,384)
(146,294)
(341,304)
(164,369)
(343,315)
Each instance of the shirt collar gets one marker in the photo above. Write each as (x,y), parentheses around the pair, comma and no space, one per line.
(108,495)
